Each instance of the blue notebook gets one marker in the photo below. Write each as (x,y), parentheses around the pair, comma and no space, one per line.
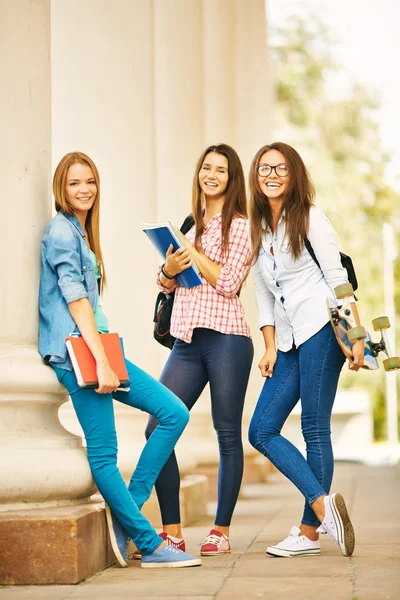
(162,235)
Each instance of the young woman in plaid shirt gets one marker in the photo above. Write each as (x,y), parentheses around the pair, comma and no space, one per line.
(213,342)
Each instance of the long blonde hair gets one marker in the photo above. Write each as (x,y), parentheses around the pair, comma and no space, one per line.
(62,205)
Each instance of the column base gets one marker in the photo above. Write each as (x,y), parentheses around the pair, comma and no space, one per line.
(62,545)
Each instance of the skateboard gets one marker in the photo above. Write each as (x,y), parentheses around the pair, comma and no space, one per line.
(347,332)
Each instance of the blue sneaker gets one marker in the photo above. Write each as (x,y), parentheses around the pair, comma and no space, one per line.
(119,538)
(168,556)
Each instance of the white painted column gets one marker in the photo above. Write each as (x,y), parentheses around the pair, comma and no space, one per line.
(41,464)
(219,72)
(143,91)
(178,97)
(237,92)
(102,104)
(107,101)
(253,120)
(253,79)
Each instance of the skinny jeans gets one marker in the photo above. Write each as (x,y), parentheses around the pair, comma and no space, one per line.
(95,413)
(223,361)
(310,373)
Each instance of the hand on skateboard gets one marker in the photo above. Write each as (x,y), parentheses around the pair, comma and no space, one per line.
(347,332)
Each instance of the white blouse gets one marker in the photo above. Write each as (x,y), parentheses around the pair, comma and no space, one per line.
(291,293)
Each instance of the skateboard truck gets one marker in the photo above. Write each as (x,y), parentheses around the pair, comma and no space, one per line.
(344,315)
(345,312)
(391,363)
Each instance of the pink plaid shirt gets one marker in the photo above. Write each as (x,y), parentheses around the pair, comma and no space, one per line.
(216,308)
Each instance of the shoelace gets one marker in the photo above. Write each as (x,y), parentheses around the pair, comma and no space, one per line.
(213,539)
(291,540)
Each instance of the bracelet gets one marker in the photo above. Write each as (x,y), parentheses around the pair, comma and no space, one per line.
(165,274)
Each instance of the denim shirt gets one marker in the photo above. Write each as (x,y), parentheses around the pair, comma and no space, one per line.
(67,275)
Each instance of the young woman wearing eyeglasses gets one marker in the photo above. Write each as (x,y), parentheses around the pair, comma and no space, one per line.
(302,358)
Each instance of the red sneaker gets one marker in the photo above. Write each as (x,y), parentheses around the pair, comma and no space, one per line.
(215,543)
(171,541)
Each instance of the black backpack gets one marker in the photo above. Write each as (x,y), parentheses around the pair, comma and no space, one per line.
(164,305)
(346,261)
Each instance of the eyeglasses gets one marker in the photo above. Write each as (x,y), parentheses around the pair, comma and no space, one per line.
(265,170)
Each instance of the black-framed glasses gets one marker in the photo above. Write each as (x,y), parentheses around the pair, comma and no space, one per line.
(280,170)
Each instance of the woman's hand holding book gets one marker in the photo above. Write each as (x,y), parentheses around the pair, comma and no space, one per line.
(108,381)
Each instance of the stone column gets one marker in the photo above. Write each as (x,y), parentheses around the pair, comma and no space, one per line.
(237,94)
(253,120)
(253,79)
(128,122)
(218,89)
(42,466)
(178,103)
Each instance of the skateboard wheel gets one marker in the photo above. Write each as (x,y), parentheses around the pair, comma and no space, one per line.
(380,323)
(392,363)
(344,290)
(334,313)
(356,333)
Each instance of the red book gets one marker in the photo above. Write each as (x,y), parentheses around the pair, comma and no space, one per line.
(84,364)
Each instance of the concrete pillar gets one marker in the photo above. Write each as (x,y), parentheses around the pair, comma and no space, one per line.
(253,79)
(42,465)
(102,104)
(178,97)
(45,455)
(218,89)
(128,123)
(253,121)
(237,97)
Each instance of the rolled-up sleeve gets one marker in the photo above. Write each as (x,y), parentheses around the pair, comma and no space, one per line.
(265,299)
(63,256)
(323,239)
(234,270)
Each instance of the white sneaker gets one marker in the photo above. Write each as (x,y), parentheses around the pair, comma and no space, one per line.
(337,523)
(295,545)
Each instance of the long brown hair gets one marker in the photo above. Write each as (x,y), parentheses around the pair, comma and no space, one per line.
(61,203)
(235,194)
(298,199)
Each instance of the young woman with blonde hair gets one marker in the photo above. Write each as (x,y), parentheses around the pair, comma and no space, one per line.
(302,357)
(71,261)
(213,342)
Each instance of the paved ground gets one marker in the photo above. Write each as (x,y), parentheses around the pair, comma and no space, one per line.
(264,515)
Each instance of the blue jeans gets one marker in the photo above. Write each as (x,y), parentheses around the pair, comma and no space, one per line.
(95,413)
(310,372)
(224,361)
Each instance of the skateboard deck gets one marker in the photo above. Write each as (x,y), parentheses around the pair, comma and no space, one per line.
(348,331)
(340,327)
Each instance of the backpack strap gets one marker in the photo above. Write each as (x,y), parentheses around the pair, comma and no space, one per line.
(310,249)
(346,261)
(187,224)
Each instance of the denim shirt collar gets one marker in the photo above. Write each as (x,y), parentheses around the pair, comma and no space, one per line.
(74,220)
